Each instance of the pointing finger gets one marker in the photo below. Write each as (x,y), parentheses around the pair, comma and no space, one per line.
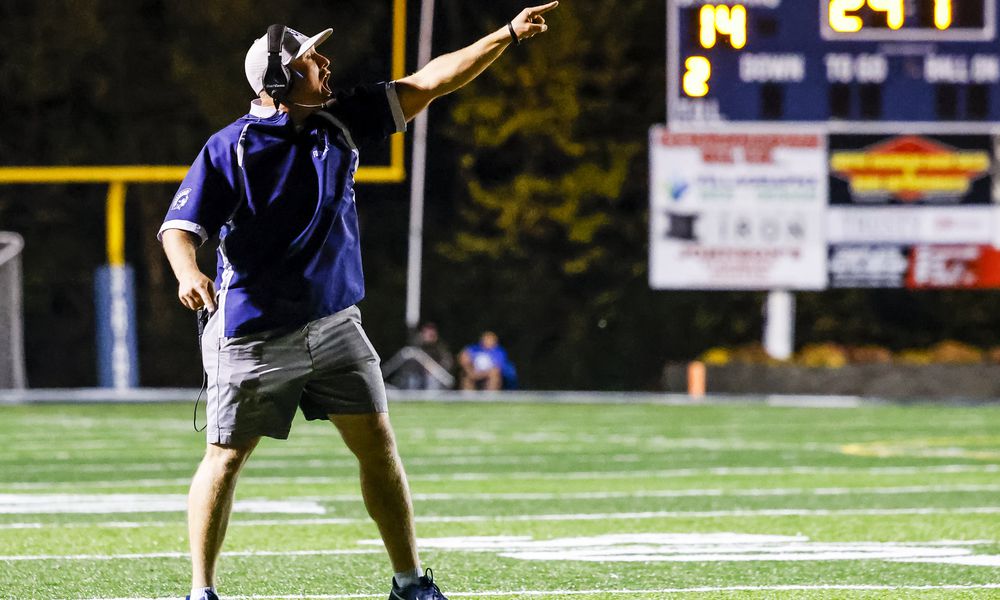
(544,8)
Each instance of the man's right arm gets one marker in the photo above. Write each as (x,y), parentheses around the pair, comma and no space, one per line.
(195,290)
(449,72)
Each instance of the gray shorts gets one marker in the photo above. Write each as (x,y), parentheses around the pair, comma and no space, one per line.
(255,382)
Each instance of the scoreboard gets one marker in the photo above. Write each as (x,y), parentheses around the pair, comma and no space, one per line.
(852,65)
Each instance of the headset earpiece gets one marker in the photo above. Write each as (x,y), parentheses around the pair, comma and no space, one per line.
(277,80)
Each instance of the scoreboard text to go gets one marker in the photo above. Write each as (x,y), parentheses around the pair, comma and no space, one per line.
(822,60)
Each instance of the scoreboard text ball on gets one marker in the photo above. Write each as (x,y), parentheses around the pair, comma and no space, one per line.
(860,64)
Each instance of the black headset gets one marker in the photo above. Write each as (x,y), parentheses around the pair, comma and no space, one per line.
(277,77)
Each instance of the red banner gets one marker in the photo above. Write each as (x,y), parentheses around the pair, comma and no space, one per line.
(954,267)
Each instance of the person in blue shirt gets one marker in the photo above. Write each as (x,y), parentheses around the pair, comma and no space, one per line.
(485,365)
(277,187)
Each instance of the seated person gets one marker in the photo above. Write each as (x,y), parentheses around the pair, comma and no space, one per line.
(428,340)
(425,364)
(485,365)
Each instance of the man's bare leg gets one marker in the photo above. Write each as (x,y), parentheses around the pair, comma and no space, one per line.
(383,484)
(494,380)
(468,381)
(210,501)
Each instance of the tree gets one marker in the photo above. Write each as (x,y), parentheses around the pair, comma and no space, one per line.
(551,235)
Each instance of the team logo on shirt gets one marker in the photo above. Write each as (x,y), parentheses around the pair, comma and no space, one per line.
(180,199)
(320,151)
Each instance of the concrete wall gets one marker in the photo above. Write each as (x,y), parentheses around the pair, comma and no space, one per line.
(978,381)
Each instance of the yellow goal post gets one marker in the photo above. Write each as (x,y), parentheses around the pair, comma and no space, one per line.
(118,178)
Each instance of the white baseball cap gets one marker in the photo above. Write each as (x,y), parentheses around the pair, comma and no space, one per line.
(293,45)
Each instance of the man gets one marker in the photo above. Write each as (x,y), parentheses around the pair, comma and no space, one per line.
(485,365)
(278,187)
(429,341)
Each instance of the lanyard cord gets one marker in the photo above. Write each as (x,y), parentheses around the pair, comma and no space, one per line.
(203,316)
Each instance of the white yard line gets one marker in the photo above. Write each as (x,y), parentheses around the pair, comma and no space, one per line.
(69,463)
(185,555)
(627,592)
(29,503)
(776,512)
(640,547)
(51,504)
(705,547)
(527,475)
(26,443)
(696,493)
(708,514)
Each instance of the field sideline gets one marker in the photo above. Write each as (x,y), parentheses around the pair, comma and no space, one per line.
(523,501)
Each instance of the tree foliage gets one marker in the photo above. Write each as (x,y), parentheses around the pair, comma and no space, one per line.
(537,179)
(551,146)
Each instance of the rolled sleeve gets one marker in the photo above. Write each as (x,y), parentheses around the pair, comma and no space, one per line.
(183,226)
(397,110)
(370,113)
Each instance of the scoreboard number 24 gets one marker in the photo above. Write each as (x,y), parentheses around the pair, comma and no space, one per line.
(843,22)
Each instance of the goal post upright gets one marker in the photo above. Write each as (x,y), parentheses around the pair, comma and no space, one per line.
(117,338)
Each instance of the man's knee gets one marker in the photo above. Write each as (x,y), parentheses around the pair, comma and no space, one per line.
(229,458)
(369,437)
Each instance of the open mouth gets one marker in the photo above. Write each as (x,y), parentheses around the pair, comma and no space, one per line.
(325,84)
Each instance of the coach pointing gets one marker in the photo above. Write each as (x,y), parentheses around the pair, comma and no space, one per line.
(277,186)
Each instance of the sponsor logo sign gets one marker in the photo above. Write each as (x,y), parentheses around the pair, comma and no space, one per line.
(922,266)
(910,225)
(911,169)
(868,266)
(737,210)
(966,266)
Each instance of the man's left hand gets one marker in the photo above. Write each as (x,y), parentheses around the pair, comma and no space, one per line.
(530,21)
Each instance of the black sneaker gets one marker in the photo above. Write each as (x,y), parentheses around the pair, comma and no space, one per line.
(423,589)
(209,595)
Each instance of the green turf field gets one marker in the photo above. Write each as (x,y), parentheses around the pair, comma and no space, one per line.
(523,501)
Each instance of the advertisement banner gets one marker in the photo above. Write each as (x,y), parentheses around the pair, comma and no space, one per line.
(737,210)
(868,266)
(954,267)
(879,170)
(910,225)
(916,267)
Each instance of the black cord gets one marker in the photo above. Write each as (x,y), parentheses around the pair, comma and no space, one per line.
(202,316)
(510,28)
(194,418)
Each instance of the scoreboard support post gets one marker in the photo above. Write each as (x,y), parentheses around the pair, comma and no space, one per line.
(779,324)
